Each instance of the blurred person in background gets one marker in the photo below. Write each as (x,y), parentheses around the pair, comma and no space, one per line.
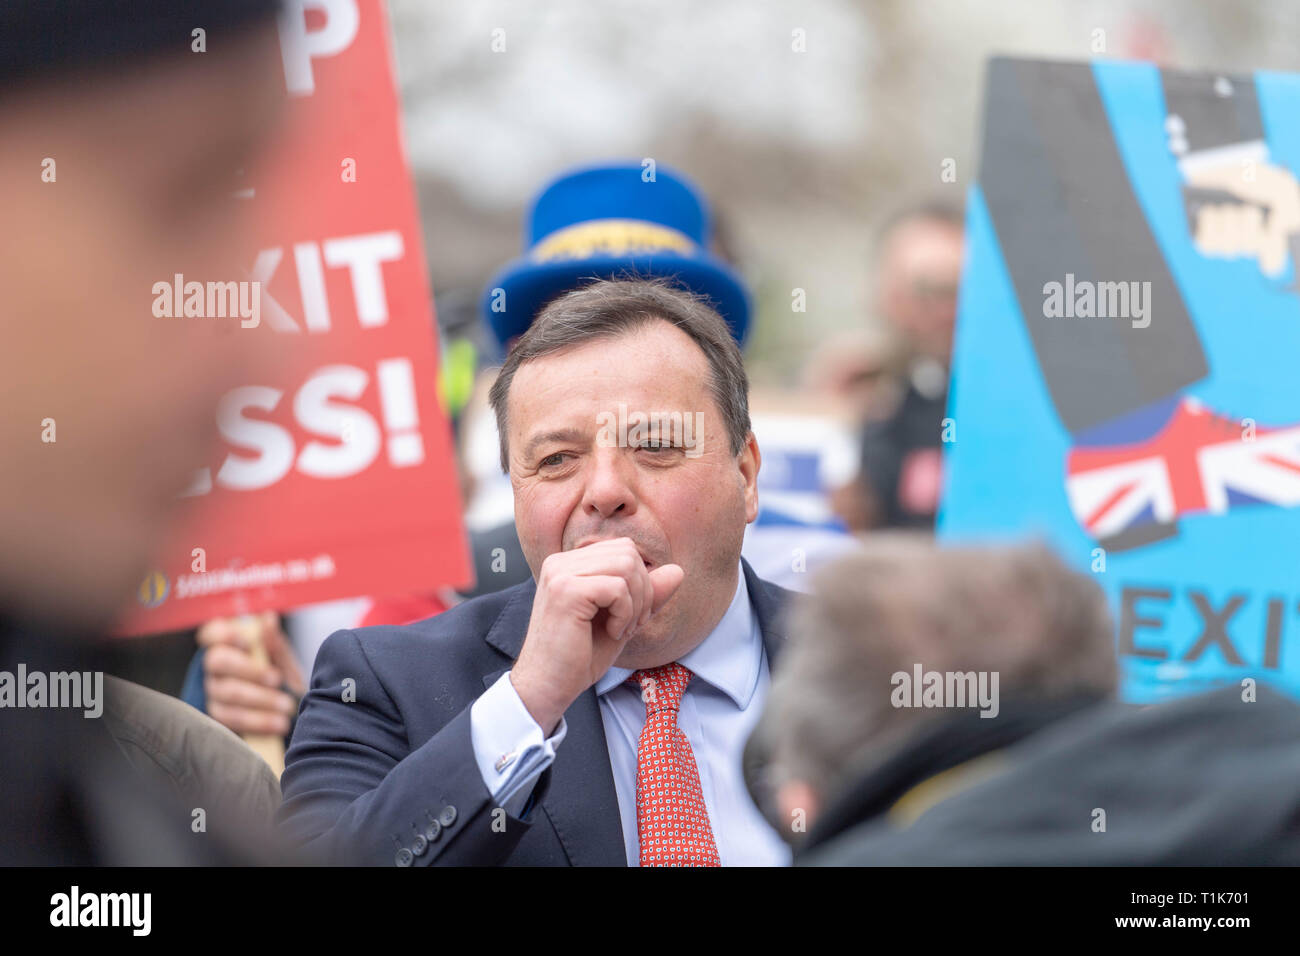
(856,372)
(856,375)
(917,273)
(119,149)
(1015,752)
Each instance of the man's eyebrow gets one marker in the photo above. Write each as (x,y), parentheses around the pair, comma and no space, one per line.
(546,438)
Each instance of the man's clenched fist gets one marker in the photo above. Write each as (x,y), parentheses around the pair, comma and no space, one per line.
(589,602)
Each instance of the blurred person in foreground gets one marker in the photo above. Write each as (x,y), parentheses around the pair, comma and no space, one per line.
(119,147)
(918,272)
(596,713)
(1015,751)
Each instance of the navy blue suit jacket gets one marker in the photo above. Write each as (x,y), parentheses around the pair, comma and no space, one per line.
(366,778)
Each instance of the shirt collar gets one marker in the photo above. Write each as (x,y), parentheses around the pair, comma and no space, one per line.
(729,658)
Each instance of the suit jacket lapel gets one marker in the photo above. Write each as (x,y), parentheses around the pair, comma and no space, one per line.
(769,602)
(580,803)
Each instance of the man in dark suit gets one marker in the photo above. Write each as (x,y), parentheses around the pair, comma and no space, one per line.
(595,714)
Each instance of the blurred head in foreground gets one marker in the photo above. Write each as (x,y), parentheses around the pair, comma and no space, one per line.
(120,143)
(997,628)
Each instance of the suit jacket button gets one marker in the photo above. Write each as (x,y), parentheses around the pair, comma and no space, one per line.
(419,845)
(433,831)
(447,817)
(405,857)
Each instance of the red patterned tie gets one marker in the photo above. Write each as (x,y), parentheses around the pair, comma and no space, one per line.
(671,821)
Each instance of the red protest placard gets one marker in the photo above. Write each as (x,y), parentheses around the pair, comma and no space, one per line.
(337,479)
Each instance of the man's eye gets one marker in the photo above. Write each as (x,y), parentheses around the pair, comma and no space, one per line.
(555,459)
(653,445)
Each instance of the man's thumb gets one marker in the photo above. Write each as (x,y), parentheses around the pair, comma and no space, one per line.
(666,578)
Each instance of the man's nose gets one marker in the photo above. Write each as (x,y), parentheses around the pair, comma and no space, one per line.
(609,485)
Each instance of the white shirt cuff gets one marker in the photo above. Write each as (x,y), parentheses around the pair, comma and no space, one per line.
(509,747)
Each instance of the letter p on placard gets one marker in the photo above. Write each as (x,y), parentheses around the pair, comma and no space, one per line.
(299,45)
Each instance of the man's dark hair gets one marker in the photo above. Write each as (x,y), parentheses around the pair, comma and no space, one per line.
(613,307)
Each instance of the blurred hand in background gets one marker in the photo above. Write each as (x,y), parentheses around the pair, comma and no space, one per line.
(245,692)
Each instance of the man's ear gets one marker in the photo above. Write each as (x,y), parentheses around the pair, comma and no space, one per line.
(749,460)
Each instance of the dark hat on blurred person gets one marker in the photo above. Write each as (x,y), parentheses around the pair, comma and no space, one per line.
(608,220)
(40,39)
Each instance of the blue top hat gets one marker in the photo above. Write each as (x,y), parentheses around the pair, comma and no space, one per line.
(607,221)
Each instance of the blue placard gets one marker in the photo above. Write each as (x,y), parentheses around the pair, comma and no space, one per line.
(1125,374)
